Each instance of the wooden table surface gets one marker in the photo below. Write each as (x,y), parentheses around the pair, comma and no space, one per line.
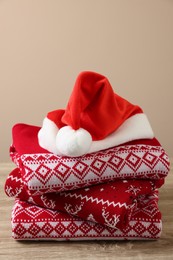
(132,250)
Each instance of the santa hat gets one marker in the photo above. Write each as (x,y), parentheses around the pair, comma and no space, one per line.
(95,119)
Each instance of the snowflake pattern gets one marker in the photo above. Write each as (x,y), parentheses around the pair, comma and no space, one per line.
(133,189)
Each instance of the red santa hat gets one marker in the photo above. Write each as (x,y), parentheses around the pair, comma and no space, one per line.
(95,118)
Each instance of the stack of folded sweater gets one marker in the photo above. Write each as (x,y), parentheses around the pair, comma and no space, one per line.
(91,172)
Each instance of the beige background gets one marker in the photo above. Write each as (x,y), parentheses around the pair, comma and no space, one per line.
(44,44)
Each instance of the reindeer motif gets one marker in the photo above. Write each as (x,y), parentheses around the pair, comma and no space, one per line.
(47,202)
(110,221)
(73,210)
(13,192)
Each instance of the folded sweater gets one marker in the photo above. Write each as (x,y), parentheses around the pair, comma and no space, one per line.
(43,172)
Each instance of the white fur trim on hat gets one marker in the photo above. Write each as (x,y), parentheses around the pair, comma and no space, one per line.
(69,142)
(134,128)
(47,136)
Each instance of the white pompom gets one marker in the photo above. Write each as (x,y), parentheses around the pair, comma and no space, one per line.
(47,136)
(72,142)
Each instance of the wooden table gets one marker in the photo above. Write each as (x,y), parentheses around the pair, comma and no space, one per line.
(132,250)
